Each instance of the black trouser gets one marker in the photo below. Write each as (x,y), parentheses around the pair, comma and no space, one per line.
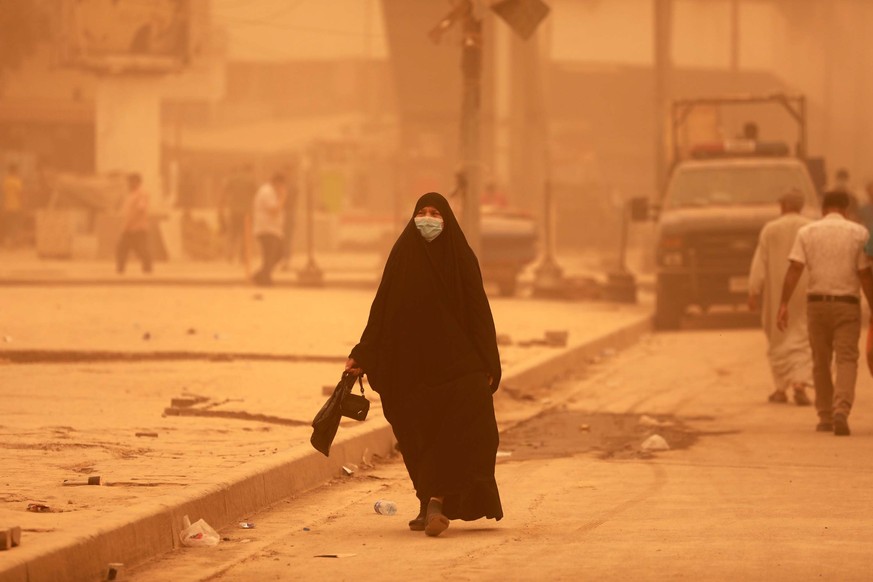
(138,240)
(271,254)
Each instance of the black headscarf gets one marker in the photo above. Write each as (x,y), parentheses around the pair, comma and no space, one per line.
(430,321)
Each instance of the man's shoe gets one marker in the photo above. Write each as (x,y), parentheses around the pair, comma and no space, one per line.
(824,426)
(778,397)
(801,399)
(841,426)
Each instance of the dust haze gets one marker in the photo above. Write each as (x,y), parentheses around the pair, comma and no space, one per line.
(198,198)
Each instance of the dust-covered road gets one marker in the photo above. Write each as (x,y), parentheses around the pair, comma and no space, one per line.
(749,490)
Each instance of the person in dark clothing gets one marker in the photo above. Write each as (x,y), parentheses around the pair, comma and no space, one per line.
(430,350)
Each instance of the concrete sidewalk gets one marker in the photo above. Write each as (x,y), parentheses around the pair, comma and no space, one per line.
(259,358)
(341,269)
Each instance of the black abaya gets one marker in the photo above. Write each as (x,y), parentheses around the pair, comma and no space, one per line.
(429,349)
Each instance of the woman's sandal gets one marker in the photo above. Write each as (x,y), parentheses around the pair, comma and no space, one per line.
(417,524)
(435,522)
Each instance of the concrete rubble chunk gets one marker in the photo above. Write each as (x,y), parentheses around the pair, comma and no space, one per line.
(655,443)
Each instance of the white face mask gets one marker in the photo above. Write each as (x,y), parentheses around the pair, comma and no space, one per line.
(429,227)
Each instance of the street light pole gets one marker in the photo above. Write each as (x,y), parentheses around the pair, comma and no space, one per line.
(311,274)
(471,101)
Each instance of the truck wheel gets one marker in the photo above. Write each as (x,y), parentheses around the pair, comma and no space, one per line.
(669,307)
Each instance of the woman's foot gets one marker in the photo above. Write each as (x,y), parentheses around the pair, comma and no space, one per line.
(418,523)
(435,522)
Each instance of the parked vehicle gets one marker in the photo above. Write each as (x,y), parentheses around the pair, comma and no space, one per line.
(714,206)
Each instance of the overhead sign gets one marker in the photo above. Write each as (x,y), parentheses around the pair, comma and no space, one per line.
(118,36)
(523,16)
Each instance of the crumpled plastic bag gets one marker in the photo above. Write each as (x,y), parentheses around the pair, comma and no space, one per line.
(198,534)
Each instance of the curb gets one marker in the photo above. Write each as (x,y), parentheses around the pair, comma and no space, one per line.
(249,488)
(155,527)
(368,283)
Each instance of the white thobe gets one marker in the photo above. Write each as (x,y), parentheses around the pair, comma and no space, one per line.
(789,352)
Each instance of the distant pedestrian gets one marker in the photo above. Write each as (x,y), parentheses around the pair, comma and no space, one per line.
(832,249)
(12,210)
(788,351)
(268,220)
(865,211)
(430,351)
(135,230)
(237,199)
(843,183)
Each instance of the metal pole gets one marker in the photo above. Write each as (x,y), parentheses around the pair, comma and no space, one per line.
(661,66)
(310,275)
(735,38)
(548,276)
(471,69)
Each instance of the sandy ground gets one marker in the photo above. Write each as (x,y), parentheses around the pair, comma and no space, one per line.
(64,419)
(752,493)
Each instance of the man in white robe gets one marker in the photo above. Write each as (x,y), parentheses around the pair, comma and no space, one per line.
(789,352)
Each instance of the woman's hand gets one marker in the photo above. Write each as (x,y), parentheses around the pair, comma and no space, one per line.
(353,368)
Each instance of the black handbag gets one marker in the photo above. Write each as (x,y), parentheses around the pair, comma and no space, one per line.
(326,422)
(356,406)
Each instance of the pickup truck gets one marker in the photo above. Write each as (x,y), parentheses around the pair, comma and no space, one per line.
(710,219)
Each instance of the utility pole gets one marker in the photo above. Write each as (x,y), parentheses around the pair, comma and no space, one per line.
(662,64)
(735,38)
(471,105)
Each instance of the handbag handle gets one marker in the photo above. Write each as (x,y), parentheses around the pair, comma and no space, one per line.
(360,381)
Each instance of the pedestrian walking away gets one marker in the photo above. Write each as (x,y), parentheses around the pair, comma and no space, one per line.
(135,232)
(430,350)
(788,352)
(832,250)
(268,226)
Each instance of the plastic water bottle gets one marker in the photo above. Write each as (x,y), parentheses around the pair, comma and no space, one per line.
(385,507)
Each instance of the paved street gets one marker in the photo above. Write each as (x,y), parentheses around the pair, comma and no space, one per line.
(89,371)
(751,492)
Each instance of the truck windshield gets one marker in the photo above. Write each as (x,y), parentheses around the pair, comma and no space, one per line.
(728,186)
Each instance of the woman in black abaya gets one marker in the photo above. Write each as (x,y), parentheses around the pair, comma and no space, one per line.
(430,351)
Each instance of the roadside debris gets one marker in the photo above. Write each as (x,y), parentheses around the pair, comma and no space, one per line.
(385,507)
(114,571)
(646,420)
(147,434)
(198,534)
(504,454)
(10,538)
(39,508)
(247,525)
(350,469)
(334,555)
(95,480)
(655,443)
(550,339)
